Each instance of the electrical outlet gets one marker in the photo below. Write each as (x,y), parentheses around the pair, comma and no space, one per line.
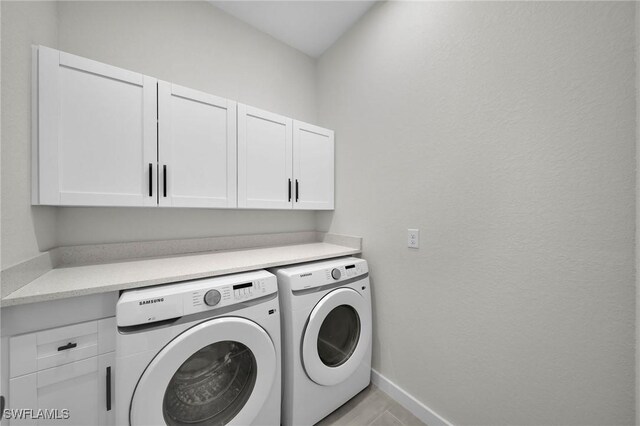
(413,236)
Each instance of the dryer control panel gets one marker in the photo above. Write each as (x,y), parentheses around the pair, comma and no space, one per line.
(324,273)
(175,300)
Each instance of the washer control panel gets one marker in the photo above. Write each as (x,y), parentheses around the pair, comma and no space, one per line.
(175,300)
(228,294)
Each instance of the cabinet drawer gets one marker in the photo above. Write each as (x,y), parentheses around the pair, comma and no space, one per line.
(59,346)
(63,345)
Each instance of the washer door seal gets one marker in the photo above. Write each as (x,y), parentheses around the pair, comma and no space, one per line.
(330,369)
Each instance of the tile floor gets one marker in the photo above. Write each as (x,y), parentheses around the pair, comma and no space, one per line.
(371,407)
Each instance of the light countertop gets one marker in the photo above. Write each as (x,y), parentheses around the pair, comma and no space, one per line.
(102,278)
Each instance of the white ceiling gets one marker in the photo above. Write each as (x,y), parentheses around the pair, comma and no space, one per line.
(309,26)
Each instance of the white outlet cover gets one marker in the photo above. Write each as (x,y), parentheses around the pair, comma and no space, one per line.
(413,238)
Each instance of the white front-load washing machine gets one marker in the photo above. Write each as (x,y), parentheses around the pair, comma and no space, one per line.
(326,333)
(202,352)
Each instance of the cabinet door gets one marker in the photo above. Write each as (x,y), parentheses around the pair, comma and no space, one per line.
(264,159)
(85,389)
(197,148)
(72,387)
(96,133)
(313,165)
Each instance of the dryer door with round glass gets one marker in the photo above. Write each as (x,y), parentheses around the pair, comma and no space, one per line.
(336,337)
(216,373)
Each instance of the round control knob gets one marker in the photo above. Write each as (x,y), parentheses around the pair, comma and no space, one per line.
(212,297)
(336,274)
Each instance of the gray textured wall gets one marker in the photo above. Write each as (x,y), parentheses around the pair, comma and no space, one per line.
(25,230)
(506,133)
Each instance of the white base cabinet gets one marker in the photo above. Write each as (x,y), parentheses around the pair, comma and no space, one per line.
(64,376)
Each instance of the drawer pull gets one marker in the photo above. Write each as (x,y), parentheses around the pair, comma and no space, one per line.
(67,346)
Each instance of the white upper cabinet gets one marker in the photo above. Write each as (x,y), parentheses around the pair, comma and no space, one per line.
(95,134)
(105,136)
(197,148)
(265,163)
(313,161)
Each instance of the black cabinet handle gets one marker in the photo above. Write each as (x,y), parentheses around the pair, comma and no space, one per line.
(289,189)
(67,346)
(108,388)
(164,180)
(297,191)
(150,180)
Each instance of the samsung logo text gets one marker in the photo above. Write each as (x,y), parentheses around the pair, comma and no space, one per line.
(147,302)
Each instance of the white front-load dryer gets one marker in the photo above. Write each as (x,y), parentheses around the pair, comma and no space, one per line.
(203,352)
(326,333)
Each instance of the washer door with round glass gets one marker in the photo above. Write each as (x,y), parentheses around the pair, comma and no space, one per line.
(336,337)
(216,373)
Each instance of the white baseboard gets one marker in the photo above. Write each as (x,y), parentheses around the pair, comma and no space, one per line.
(418,409)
